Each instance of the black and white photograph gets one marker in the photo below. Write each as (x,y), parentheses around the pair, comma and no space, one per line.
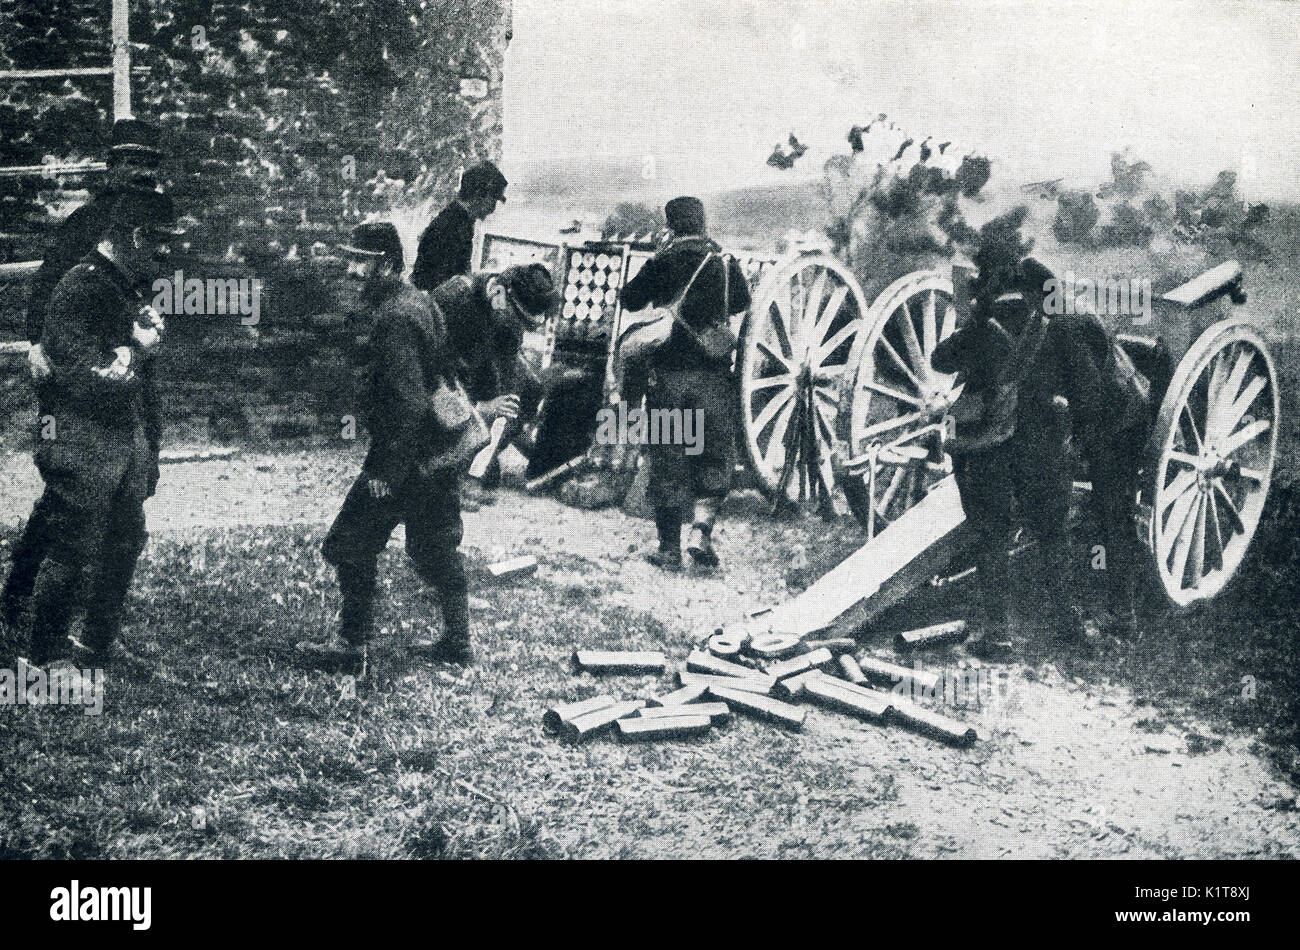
(640,430)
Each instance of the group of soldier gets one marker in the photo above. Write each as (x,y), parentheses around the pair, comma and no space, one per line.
(444,366)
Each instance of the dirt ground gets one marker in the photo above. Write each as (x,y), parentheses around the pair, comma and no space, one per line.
(1068,765)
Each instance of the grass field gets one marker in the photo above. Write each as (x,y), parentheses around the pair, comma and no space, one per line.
(216,745)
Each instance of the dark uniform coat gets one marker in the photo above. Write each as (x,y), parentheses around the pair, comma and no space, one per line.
(97,451)
(409,359)
(486,348)
(445,248)
(1032,469)
(72,240)
(683,376)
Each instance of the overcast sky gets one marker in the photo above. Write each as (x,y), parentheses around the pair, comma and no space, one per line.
(1047,89)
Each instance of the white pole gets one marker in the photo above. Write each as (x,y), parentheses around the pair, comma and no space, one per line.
(121,61)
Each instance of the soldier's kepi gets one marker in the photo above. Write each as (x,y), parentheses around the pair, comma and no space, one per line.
(423,432)
(98,448)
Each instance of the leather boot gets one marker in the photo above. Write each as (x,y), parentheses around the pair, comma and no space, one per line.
(700,544)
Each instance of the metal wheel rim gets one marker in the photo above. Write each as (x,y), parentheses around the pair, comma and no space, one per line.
(896,399)
(1203,512)
(814,354)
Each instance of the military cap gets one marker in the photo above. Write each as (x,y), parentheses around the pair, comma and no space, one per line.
(376,239)
(145,208)
(685,215)
(135,140)
(483,179)
(530,288)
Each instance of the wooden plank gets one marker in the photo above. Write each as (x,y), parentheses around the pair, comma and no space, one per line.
(120,32)
(68,73)
(882,571)
(52,169)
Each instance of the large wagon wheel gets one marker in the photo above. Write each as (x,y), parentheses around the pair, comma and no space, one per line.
(1211,460)
(892,417)
(794,348)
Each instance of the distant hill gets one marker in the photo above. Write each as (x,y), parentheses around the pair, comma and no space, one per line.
(557,192)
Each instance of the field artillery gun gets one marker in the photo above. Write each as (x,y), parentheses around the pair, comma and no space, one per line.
(1204,473)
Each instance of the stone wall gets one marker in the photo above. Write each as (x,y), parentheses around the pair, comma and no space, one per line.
(286,122)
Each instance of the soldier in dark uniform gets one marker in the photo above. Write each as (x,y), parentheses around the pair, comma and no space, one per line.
(487,316)
(1064,385)
(684,377)
(403,478)
(100,461)
(448,242)
(133,158)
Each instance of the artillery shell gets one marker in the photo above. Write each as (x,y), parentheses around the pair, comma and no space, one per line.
(774,646)
(856,701)
(556,716)
(934,724)
(800,664)
(615,661)
(680,697)
(791,688)
(640,729)
(882,671)
(727,644)
(714,712)
(706,663)
(954,631)
(515,567)
(755,683)
(584,727)
(762,707)
(837,645)
(852,672)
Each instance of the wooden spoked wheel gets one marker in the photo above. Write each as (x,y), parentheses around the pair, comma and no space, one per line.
(1211,461)
(794,347)
(892,416)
